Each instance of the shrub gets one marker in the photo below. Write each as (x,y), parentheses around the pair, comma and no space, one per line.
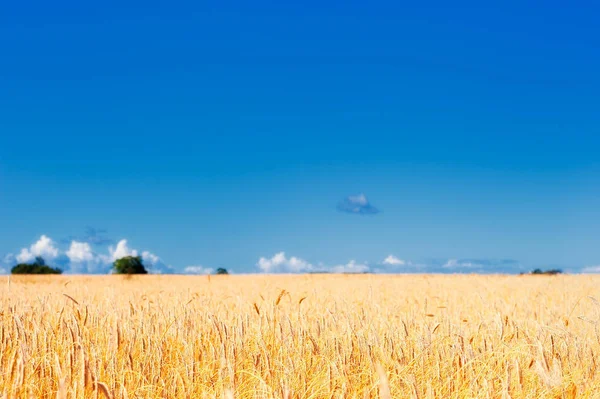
(37,267)
(129,265)
(550,272)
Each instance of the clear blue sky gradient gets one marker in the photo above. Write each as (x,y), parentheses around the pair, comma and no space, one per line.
(216,133)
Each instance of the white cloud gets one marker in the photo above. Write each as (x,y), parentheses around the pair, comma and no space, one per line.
(393,261)
(83,260)
(456,264)
(350,267)
(80,257)
(591,269)
(359,199)
(80,252)
(25,256)
(198,270)
(279,263)
(150,257)
(44,247)
(153,263)
(121,251)
(357,204)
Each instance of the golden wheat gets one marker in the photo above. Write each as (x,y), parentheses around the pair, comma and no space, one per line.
(314,336)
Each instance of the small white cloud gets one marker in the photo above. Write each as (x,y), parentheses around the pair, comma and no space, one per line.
(357,204)
(83,260)
(80,252)
(350,267)
(591,269)
(279,263)
(154,264)
(198,270)
(456,264)
(121,251)
(150,257)
(393,261)
(25,256)
(44,247)
(359,199)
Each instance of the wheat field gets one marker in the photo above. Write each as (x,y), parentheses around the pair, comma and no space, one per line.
(308,336)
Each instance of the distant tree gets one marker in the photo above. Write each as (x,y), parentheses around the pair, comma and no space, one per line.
(537,271)
(129,265)
(550,272)
(37,267)
(221,270)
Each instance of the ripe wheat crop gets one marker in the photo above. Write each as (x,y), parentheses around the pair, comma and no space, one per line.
(314,336)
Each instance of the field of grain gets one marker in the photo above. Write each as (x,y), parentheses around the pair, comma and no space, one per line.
(313,336)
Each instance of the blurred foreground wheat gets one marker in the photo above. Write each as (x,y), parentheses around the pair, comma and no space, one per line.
(315,336)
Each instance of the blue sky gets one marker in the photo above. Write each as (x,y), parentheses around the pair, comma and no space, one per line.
(454,137)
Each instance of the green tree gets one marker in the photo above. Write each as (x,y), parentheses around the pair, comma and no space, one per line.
(221,270)
(550,272)
(37,267)
(537,271)
(129,265)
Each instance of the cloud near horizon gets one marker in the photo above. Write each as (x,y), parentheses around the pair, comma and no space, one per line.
(280,263)
(482,265)
(351,267)
(357,204)
(199,269)
(43,247)
(80,258)
(393,261)
(591,269)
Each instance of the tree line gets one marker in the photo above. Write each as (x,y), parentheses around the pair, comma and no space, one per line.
(124,265)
